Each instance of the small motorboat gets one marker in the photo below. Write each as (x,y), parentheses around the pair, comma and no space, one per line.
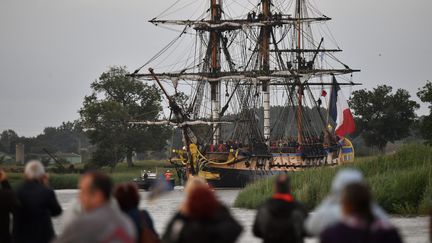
(148,180)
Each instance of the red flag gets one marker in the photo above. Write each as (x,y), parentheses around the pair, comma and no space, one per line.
(323,93)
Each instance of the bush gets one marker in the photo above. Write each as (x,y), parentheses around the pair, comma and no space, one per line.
(401,182)
(64,181)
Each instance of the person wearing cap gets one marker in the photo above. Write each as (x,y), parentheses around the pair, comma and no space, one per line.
(38,203)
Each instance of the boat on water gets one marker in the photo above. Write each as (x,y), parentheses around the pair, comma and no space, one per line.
(147,180)
(254,92)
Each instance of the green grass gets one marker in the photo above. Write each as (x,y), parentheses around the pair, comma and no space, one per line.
(401,182)
(121,173)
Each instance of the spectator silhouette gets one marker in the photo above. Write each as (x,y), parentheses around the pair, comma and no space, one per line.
(358,222)
(128,199)
(329,212)
(38,203)
(201,218)
(99,222)
(281,218)
(8,203)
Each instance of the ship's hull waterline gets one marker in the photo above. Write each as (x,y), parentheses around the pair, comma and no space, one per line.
(240,171)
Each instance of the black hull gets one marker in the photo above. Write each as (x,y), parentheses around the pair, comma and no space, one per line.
(235,178)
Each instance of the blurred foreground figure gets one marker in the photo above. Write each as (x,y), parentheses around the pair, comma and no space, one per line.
(281,218)
(201,218)
(100,222)
(329,212)
(38,203)
(8,203)
(358,221)
(74,211)
(128,200)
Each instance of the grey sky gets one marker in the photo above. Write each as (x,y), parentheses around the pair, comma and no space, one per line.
(51,50)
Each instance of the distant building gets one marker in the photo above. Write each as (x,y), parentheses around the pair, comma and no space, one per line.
(19,153)
(5,158)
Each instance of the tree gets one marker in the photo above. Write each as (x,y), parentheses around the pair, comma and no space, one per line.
(425,95)
(69,137)
(116,100)
(8,138)
(382,115)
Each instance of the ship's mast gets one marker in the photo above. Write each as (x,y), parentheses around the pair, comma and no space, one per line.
(250,67)
(265,67)
(299,66)
(215,86)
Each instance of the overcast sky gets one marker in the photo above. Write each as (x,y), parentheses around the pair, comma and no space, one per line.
(51,50)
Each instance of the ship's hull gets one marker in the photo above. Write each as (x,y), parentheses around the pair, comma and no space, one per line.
(236,169)
(238,178)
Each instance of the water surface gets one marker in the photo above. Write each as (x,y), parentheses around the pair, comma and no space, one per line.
(414,230)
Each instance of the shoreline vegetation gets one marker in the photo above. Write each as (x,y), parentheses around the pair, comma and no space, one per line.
(401,182)
(121,173)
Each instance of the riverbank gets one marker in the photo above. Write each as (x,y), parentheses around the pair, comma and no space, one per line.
(401,182)
(121,173)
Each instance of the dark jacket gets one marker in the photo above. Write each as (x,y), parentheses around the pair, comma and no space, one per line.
(222,227)
(38,204)
(280,221)
(8,203)
(141,220)
(341,233)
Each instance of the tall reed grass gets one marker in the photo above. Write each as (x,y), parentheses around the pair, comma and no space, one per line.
(401,182)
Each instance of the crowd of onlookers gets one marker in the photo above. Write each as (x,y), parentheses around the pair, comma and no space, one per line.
(107,213)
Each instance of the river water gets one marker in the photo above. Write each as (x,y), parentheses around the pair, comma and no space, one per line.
(413,230)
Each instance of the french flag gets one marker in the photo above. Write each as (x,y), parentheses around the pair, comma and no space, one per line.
(340,112)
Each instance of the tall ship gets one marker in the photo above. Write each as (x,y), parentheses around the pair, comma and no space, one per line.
(252,88)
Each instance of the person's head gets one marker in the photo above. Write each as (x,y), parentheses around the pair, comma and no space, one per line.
(282,184)
(356,201)
(127,196)
(201,202)
(95,190)
(193,182)
(345,177)
(34,170)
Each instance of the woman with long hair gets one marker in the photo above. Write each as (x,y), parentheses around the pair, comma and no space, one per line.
(201,218)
